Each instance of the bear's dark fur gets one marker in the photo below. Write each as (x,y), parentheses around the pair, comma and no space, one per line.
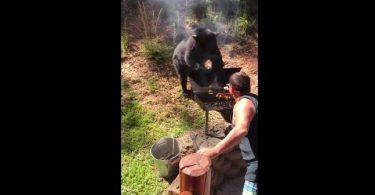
(191,54)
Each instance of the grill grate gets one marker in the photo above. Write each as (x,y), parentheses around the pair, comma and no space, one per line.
(205,85)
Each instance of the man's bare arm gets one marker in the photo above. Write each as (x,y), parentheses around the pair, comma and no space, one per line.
(240,130)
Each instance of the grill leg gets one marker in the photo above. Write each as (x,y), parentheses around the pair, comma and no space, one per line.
(206,127)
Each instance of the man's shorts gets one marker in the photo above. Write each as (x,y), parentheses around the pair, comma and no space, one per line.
(250,159)
(249,188)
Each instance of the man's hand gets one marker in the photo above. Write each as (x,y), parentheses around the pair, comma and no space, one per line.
(223,96)
(209,152)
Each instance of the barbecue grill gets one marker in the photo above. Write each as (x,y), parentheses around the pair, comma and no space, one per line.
(206,84)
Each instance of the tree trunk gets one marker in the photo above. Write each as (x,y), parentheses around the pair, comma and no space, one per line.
(195,174)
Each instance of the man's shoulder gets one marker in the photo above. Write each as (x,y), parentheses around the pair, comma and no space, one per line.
(253,98)
(245,104)
(245,110)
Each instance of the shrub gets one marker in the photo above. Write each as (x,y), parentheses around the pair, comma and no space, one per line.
(241,26)
(150,24)
(157,51)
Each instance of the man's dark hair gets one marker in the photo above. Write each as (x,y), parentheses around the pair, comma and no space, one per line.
(240,82)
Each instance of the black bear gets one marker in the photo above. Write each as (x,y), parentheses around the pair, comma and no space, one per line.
(191,54)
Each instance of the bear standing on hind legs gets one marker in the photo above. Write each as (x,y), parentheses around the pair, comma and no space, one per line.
(192,53)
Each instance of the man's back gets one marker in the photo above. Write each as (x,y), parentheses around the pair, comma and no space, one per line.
(248,103)
(252,134)
(248,145)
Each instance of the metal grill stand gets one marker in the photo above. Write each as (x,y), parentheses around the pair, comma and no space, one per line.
(206,125)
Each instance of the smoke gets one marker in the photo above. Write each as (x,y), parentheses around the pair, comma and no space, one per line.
(180,17)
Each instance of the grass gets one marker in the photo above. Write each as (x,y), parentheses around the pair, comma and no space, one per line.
(152,85)
(138,176)
(141,127)
(138,133)
(135,123)
(191,122)
(139,130)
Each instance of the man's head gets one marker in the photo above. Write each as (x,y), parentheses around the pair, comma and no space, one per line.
(239,83)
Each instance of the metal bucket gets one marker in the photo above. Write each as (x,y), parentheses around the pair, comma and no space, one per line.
(166,154)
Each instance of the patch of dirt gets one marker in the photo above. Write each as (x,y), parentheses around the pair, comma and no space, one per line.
(233,58)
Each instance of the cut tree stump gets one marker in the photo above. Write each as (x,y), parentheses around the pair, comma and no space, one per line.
(195,174)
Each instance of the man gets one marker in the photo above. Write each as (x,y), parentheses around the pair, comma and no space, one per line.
(244,129)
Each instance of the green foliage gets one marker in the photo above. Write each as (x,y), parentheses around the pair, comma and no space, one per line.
(212,18)
(199,121)
(178,131)
(152,85)
(157,51)
(139,130)
(191,122)
(138,176)
(234,15)
(135,124)
(187,122)
(242,25)
(140,127)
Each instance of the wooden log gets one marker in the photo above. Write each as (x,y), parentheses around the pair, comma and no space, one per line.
(195,174)
(186,193)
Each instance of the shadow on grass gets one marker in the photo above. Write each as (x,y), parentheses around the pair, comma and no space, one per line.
(191,120)
(140,129)
(138,125)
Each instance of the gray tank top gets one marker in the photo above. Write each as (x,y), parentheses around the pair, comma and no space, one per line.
(253,129)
